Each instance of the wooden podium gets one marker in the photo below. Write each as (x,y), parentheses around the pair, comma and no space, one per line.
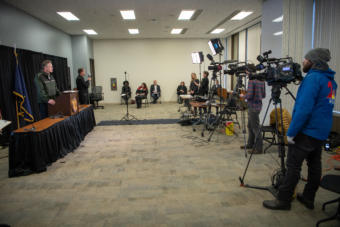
(66,104)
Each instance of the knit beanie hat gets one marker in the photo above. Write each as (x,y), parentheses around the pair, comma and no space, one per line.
(319,57)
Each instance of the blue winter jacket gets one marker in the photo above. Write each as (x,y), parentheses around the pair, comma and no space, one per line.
(312,113)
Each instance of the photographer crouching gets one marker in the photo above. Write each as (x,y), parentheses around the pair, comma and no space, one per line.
(310,126)
(255,93)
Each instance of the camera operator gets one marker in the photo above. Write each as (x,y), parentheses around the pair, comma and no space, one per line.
(310,126)
(255,93)
(204,86)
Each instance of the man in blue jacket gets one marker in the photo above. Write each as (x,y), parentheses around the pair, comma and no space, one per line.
(310,126)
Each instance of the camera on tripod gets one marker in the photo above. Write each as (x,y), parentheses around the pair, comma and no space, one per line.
(277,71)
(217,66)
(240,69)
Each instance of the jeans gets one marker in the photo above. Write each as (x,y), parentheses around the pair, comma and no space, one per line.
(308,148)
(139,100)
(155,96)
(254,130)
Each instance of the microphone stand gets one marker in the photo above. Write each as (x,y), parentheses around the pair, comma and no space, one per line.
(127,116)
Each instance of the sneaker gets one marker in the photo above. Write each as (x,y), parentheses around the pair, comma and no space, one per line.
(309,204)
(276,204)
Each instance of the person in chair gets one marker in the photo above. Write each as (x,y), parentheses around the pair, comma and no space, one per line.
(126,91)
(141,93)
(47,89)
(181,90)
(155,90)
(83,86)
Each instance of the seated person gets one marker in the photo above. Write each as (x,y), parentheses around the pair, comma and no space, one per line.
(126,91)
(141,93)
(181,90)
(155,90)
(215,87)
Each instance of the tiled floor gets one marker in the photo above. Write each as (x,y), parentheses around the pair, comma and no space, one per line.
(150,175)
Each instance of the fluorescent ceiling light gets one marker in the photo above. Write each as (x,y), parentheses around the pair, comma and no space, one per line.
(217,31)
(278,33)
(68,15)
(133,31)
(241,15)
(176,31)
(128,14)
(90,32)
(279,19)
(186,14)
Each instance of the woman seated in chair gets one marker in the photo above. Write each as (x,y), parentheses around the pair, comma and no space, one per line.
(141,93)
(126,91)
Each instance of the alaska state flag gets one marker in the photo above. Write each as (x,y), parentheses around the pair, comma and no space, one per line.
(23,106)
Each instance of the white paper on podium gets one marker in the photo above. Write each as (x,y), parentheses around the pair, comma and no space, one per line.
(4,123)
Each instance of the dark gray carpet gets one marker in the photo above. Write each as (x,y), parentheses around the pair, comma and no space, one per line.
(139,122)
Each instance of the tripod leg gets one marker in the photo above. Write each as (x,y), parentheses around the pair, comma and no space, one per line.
(251,155)
(243,119)
(218,120)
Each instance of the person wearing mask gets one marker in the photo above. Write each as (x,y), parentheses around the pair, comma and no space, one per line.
(46,86)
(256,91)
(83,86)
(126,91)
(155,90)
(141,93)
(181,90)
(310,126)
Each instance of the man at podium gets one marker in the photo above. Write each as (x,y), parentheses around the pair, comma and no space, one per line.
(47,89)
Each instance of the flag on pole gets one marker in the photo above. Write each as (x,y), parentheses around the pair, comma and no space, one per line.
(23,106)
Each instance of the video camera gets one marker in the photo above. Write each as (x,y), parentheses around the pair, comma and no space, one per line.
(240,69)
(277,71)
(217,66)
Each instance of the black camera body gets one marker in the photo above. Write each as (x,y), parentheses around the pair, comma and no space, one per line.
(275,71)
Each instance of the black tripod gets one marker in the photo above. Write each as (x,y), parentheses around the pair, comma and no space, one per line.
(280,174)
(232,105)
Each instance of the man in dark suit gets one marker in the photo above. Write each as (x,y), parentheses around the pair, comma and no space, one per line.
(155,90)
(82,86)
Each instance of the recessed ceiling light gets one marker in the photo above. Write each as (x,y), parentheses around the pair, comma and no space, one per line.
(128,14)
(217,31)
(90,32)
(186,14)
(68,15)
(279,19)
(176,31)
(278,33)
(241,15)
(133,31)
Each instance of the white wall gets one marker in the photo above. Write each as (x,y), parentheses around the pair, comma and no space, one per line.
(166,60)
(27,32)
